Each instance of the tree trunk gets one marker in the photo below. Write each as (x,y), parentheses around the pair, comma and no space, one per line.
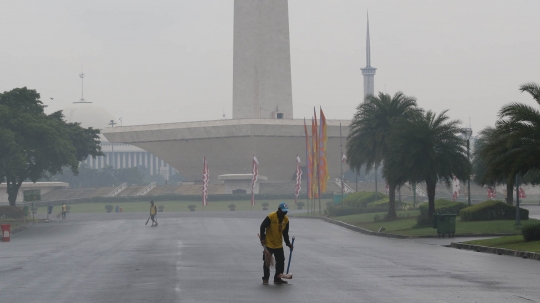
(510,192)
(431,198)
(392,202)
(12,191)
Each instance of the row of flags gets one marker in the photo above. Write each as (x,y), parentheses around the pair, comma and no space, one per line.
(492,193)
(255,175)
(317,164)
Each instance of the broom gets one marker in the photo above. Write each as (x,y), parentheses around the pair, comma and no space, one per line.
(288,275)
(268,259)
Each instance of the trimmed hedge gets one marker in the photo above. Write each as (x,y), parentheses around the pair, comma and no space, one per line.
(531,232)
(11,212)
(340,210)
(362,199)
(442,206)
(492,210)
(379,203)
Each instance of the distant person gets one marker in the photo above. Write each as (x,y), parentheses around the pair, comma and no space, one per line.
(153,212)
(274,229)
(64,211)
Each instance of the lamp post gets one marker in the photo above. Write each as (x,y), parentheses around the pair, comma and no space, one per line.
(467,133)
(112,123)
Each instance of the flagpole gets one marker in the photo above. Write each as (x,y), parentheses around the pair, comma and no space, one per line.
(341,148)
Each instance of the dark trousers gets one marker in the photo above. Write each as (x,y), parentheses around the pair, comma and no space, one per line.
(153,219)
(279,256)
(63,215)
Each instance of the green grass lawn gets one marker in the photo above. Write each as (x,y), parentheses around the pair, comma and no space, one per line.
(511,242)
(405,226)
(13,222)
(170,206)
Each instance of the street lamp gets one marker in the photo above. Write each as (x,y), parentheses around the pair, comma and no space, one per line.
(467,133)
(112,123)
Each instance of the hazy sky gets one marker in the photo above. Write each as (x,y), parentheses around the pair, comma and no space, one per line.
(171,60)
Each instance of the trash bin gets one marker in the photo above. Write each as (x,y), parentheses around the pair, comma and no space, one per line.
(445,224)
(117,208)
(6,232)
(26,210)
(49,209)
(121,210)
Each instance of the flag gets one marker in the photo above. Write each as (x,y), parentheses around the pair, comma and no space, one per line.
(308,162)
(298,179)
(314,159)
(323,163)
(206,177)
(456,188)
(491,193)
(522,194)
(343,157)
(254,178)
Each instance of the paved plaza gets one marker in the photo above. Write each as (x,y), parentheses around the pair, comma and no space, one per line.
(216,257)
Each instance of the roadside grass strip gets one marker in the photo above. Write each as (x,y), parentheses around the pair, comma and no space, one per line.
(510,242)
(406,226)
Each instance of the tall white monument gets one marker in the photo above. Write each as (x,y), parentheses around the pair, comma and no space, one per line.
(368,71)
(262,60)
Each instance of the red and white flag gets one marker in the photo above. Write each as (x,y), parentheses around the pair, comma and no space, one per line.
(343,157)
(491,193)
(205,178)
(522,194)
(254,178)
(298,179)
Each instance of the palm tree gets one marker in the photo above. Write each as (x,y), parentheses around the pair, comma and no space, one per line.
(513,147)
(489,148)
(428,148)
(522,124)
(372,124)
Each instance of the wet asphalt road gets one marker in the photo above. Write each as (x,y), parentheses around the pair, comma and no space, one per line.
(215,257)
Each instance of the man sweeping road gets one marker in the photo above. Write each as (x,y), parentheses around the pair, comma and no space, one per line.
(274,229)
(153,212)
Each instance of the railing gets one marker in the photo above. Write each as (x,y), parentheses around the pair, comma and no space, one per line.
(346,188)
(146,189)
(117,190)
(419,191)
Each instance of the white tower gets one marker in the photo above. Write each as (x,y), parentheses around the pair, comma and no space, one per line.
(262,60)
(368,71)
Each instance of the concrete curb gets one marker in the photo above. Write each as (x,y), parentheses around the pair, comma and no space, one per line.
(497,251)
(18,229)
(362,230)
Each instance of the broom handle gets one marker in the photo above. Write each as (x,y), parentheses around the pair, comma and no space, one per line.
(290,256)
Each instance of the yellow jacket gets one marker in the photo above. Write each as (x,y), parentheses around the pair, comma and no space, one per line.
(153,209)
(275,230)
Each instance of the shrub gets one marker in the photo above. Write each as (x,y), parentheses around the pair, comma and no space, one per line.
(531,232)
(379,203)
(361,199)
(161,208)
(442,206)
(340,210)
(299,205)
(192,207)
(34,210)
(265,204)
(11,212)
(68,207)
(231,206)
(109,208)
(492,210)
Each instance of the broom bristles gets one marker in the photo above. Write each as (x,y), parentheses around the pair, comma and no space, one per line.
(268,259)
